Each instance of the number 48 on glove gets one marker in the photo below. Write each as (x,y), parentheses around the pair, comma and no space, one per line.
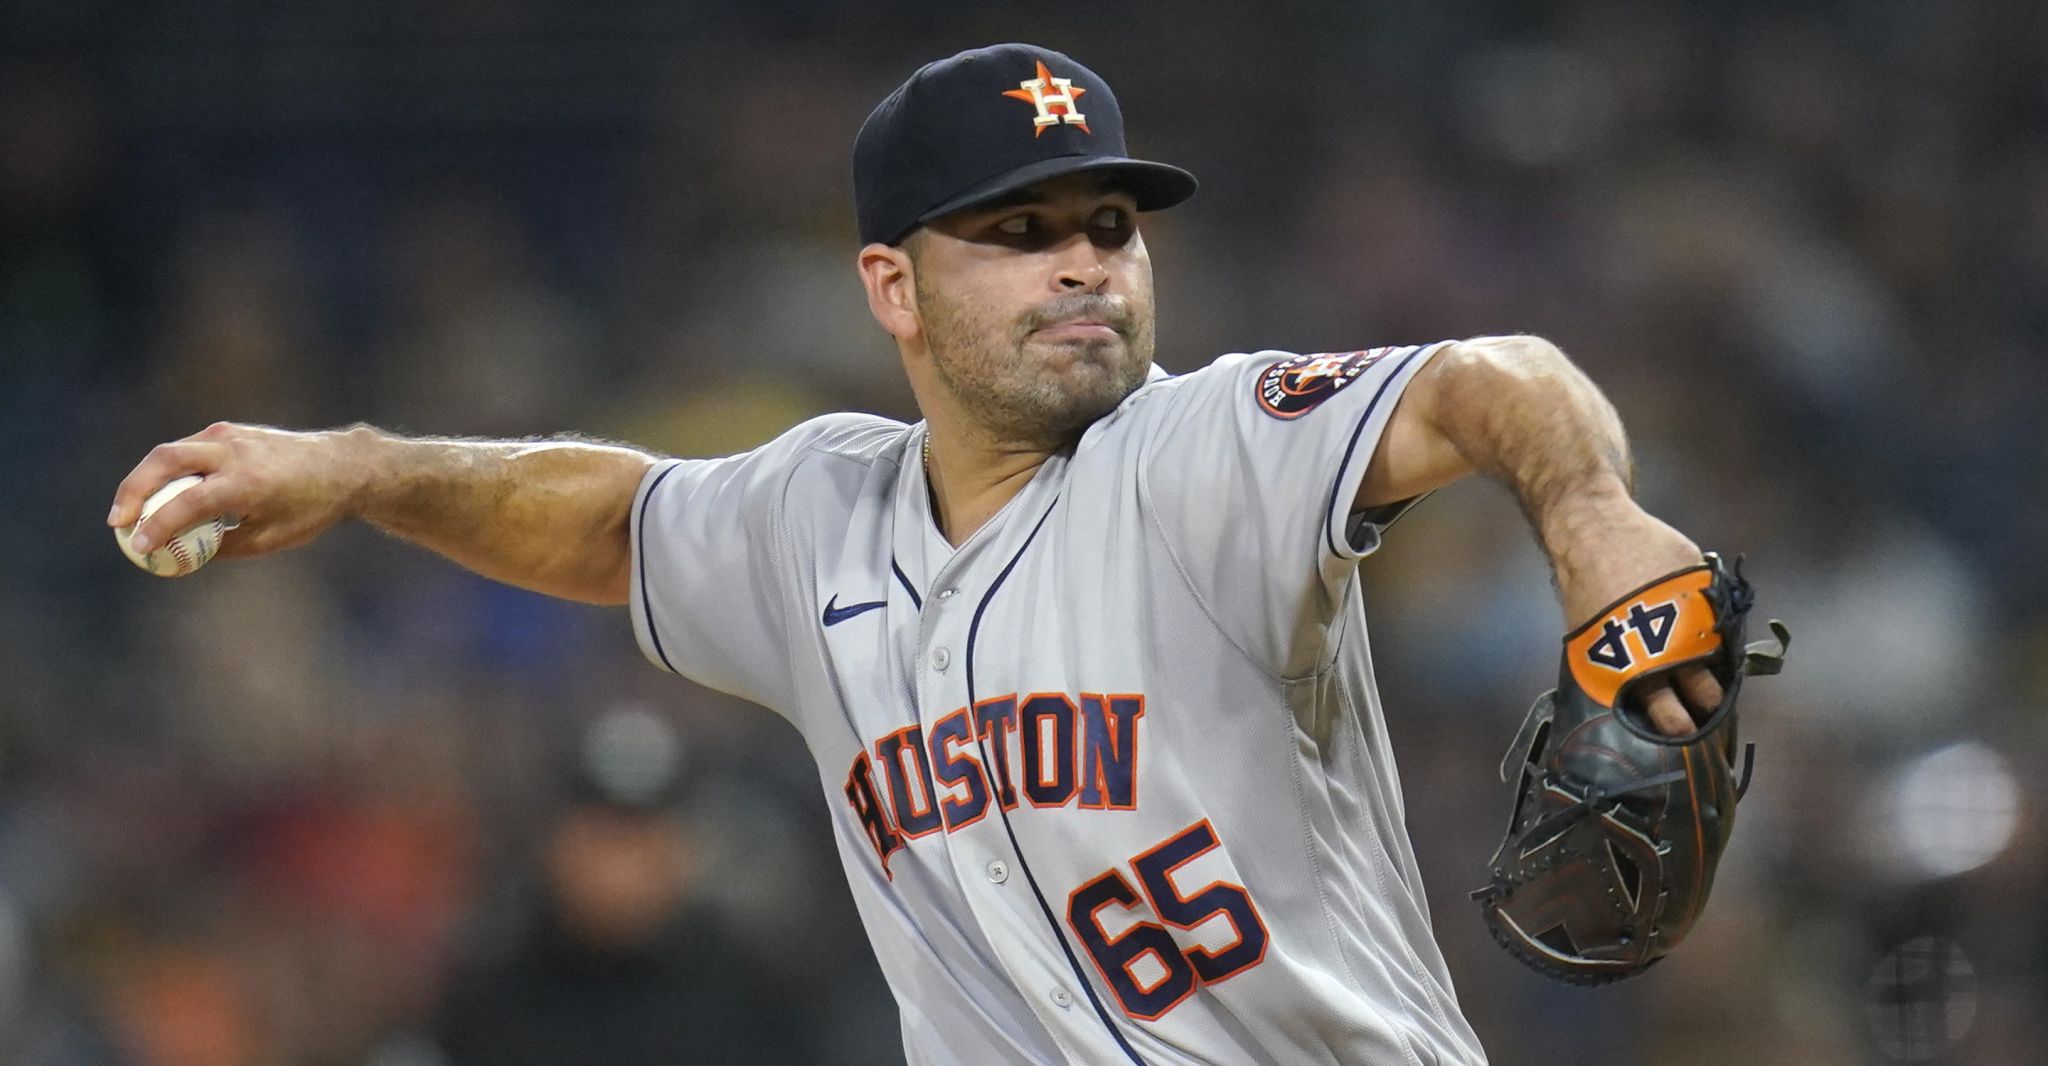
(1617,828)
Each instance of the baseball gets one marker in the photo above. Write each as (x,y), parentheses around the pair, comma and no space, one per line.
(184,553)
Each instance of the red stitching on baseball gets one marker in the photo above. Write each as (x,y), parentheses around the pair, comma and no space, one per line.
(177,551)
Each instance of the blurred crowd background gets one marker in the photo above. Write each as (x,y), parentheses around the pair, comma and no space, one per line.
(353,806)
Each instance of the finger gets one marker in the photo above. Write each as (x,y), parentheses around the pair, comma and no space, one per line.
(262,538)
(183,511)
(1699,688)
(1666,713)
(248,539)
(164,463)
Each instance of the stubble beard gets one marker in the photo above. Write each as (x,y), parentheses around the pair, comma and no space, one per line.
(1017,394)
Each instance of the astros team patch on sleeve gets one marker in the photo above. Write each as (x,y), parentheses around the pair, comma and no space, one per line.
(1296,385)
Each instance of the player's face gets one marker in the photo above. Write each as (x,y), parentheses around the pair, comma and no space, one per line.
(1037,309)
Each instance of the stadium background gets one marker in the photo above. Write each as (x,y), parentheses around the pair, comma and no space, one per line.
(256,816)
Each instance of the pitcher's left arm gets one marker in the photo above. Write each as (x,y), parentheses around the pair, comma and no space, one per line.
(1517,410)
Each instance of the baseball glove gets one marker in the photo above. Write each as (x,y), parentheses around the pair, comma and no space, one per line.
(1617,828)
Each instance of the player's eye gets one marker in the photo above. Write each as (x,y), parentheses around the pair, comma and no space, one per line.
(1016,226)
(1111,227)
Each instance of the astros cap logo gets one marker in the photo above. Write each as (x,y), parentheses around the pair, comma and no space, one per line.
(952,136)
(1054,98)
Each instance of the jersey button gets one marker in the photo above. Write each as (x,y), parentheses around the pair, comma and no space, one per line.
(1062,998)
(947,594)
(940,657)
(999,871)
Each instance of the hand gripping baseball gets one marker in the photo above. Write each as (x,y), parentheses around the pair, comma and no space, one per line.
(1617,827)
(285,488)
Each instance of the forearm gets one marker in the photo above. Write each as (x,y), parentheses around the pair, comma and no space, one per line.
(548,515)
(1518,411)
(1521,413)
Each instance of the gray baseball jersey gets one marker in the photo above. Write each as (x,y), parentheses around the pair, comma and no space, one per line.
(1109,780)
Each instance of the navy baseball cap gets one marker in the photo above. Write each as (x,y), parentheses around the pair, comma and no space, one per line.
(987,122)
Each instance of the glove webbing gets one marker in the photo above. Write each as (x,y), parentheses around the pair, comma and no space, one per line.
(1557,823)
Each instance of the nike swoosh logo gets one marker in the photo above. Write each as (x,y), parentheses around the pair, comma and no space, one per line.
(835,614)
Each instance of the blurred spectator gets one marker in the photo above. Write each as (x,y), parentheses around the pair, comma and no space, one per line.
(618,963)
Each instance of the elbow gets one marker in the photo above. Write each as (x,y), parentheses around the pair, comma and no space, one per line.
(612,586)
(600,583)
(1514,371)
(601,572)
(613,589)
(612,583)
(1519,355)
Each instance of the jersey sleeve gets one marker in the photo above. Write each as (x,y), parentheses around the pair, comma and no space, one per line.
(1251,467)
(708,592)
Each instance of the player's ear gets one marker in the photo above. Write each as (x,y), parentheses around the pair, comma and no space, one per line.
(889,275)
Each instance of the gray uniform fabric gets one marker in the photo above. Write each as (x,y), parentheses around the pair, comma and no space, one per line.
(1110,780)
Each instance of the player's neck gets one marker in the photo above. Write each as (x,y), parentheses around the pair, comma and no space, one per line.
(972,479)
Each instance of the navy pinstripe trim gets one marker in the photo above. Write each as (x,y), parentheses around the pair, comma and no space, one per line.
(915,600)
(995,799)
(1336,486)
(647,605)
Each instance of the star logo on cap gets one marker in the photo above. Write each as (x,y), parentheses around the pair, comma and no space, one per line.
(1054,98)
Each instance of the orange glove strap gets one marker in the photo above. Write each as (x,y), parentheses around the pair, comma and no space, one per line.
(1662,625)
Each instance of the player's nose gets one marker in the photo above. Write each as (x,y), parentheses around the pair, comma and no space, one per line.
(1079,266)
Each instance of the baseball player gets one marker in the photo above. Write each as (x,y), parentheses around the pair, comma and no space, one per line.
(1081,655)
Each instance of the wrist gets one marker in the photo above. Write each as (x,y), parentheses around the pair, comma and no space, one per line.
(1607,546)
(363,455)
(1585,530)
